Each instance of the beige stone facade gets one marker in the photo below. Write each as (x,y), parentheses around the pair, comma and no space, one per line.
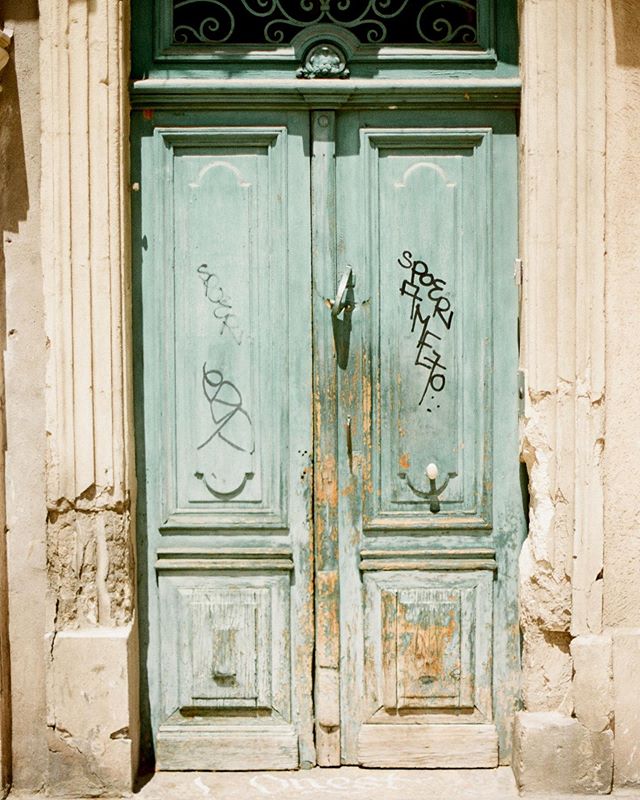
(69,694)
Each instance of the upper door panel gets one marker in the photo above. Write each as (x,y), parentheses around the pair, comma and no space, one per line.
(427,254)
(229,206)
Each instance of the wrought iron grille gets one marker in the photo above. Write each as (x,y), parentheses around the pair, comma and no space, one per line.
(373,22)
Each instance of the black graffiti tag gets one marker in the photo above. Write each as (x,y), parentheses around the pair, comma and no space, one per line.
(225,402)
(431,312)
(222,308)
(230,424)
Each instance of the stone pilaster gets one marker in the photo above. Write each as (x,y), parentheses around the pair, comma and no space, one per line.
(563,354)
(5,671)
(562,191)
(84,58)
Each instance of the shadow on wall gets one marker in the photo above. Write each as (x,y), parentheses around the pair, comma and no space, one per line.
(14,196)
(14,205)
(626,31)
(20,10)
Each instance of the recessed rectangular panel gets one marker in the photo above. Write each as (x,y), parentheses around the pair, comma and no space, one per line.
(230,633)
(220,243)
(429,647)
(225,274)
(431,283)
(225,645)
(428,644)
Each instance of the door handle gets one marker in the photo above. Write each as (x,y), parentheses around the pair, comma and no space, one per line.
(344,294)
(433,495)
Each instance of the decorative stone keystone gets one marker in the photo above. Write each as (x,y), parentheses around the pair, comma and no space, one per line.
(324,60)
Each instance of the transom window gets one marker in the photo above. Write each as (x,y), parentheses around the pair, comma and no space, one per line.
(452,23)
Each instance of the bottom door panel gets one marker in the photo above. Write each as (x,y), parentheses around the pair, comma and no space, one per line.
(428,746)
(227,683)
(427,662)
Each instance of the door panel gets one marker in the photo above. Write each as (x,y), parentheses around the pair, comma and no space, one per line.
(227,384)
(428,191)
(427,592)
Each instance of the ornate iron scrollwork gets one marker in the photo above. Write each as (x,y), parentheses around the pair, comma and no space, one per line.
(276,22)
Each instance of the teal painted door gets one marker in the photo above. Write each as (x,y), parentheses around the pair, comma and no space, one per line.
(426,214)
(309,598)
(225,300)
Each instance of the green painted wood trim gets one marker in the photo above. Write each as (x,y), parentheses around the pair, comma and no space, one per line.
(189,94)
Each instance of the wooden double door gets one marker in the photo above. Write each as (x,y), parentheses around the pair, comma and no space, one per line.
(330,506)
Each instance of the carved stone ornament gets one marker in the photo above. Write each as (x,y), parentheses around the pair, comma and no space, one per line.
(324,61)
(5,41)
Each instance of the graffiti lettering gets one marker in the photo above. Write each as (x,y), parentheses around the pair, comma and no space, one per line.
(221,303)
(430,311)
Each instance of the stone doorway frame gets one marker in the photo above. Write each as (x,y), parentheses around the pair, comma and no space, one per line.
(84,62)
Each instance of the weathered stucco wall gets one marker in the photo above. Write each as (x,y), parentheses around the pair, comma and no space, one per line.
(622,492)
(580,567)
(24,362)
(562,240)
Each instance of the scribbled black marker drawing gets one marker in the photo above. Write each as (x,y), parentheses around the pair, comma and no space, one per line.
(225,405)
(231,425)
(424,288)
(222,308)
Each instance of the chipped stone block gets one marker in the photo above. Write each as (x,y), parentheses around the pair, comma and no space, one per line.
(626,669)
(548,670)
(592,681)
(92,711)
(555,753)
(90,562)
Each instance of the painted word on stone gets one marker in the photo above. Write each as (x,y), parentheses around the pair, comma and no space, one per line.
(431,318)
(276,22)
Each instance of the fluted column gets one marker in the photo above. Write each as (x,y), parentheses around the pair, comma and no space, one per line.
(92,723)
(563,248)
(566,655)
